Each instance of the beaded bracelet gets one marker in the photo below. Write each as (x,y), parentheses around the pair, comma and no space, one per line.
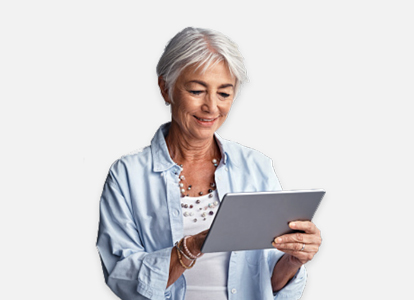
(179,258)
(182,252)
(188,251)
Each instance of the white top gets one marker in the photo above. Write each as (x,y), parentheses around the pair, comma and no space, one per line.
(208,278)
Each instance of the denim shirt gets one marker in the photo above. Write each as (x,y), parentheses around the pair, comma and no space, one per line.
(141,219)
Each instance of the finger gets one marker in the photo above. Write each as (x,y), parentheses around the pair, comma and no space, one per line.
(306,226)
(296,247)
(299,237)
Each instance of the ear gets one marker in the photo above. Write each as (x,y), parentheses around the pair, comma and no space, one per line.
(163,89)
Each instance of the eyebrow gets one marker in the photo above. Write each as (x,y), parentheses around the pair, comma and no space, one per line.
(225,85)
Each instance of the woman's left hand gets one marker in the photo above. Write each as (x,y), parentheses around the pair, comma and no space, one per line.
(300,246)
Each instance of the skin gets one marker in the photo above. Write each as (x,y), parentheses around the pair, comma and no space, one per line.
(200,105)
(294,257)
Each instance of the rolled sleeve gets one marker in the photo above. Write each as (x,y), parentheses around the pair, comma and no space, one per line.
(130,271)
(295,287)
(153,276)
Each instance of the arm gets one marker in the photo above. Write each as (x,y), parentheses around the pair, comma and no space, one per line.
(285,269)
(194,244)
(299,248)
(130,271)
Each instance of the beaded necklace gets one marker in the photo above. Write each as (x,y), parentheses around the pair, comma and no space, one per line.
(189,186)
(184,196)
(186,201)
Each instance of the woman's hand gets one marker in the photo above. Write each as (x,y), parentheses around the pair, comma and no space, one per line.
(195,242)
(302,247)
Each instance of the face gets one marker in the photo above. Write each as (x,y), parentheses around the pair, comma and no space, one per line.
(202,101)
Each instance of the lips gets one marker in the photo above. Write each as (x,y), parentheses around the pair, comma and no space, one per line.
(205,120)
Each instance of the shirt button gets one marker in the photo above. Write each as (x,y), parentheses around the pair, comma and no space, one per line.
(226,169)
(162,174)
(175,213)
(233,291)
(219,177)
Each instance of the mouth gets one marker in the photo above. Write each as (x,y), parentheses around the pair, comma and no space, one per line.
(206,120)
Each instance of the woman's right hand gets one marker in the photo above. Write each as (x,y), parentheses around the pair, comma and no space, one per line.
(195,242)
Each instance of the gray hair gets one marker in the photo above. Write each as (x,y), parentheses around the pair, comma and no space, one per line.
(198,46)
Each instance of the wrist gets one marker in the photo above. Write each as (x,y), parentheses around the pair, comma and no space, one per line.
(190,247)
(292,261)
(185,261)
(284,270)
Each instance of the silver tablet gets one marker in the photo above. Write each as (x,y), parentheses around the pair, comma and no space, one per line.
(247,221)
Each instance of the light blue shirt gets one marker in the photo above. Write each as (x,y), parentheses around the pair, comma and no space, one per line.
(141,219)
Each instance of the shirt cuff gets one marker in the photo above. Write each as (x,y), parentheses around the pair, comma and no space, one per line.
(295,287)
(154,273)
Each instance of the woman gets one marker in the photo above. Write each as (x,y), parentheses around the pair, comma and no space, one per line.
(157,205)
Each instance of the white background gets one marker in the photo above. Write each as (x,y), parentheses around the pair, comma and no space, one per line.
(328,101)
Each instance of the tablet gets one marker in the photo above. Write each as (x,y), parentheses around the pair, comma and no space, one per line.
(247,221)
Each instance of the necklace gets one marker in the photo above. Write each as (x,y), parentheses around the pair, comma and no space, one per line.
(182,181)
(200,205)
(203,208)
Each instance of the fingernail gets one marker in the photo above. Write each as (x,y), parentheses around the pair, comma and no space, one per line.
(292,225)
(278,240)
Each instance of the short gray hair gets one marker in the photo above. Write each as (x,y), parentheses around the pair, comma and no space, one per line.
(198,46)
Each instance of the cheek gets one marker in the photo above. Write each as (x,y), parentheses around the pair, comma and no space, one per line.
(181,110)
(185,110)
(225,109)
(183,103)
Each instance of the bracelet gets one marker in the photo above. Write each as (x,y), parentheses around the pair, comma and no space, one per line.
(181,262)
(188,251)
(182,252)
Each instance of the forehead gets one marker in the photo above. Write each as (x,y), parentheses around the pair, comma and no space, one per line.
(216,73)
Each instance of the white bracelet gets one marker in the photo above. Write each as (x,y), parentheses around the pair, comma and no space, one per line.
(182,252)
(188,251)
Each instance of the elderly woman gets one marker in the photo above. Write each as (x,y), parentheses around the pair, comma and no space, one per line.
(157,205)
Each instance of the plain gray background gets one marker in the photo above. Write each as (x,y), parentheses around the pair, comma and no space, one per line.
(328,101)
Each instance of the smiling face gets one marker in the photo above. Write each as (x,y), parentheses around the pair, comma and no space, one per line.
(202,100)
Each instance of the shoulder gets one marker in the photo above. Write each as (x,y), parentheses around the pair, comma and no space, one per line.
(259,167)
(136,159)
(238,153)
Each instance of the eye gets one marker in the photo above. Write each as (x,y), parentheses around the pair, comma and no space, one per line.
(196,92)
(224,95)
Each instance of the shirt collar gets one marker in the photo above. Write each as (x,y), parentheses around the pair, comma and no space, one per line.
(161,157)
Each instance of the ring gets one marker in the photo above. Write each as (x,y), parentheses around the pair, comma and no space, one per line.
(303,247)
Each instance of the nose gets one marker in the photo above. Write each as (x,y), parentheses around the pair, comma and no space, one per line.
(210,103)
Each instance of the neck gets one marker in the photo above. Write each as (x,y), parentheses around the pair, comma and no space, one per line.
(183,148)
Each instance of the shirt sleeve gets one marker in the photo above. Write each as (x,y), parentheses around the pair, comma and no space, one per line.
(273,183)
(295,287)
(129,270)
